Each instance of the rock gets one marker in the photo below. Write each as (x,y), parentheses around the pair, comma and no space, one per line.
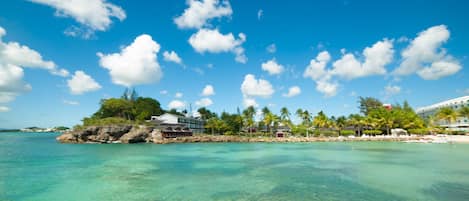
(137,134)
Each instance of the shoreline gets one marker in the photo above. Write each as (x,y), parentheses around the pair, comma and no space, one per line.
(128,134)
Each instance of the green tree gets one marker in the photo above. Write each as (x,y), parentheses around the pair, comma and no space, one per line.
(448,114)
(144,108)
(464,112)
(205,113)
(248,117)
(368,103)
(357,121)
(341,122)
(115,107)
(321,120)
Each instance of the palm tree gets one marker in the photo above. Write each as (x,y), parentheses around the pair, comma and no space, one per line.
(341,122)
(448,114)
(357,121)
(321,120)
(284,114)
(248,116)
(464,112)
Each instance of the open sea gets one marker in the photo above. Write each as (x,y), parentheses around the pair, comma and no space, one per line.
(34,167)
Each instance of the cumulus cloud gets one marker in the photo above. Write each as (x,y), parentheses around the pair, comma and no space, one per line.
(212,41)
(252,88)
(94,15)
(272,67)
(81,83)
(327,87)
(316,70)
(293,91)
(317,67)
(200,12)
(4,109)
(204,102)
(208,90)
(135,64)
(176,104)
(172,57)
(272,48)
(348,66)
(14,57)
(250,102)
(426,56)
(439,69)
(163,92)
(376,58)
(178,95)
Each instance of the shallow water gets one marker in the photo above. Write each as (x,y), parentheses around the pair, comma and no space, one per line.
(35,167)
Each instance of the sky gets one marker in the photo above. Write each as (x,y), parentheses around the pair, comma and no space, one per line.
(58,59)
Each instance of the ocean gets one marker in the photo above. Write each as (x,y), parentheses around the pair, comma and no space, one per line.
(33,166)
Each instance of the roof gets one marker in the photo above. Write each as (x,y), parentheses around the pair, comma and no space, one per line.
(447,103)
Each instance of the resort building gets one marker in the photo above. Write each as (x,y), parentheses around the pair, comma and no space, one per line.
(196,125)
(461,123)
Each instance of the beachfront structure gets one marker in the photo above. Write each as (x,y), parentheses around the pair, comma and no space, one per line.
(461,123)
(196,125)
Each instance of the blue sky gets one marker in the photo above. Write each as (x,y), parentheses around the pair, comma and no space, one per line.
(57,60)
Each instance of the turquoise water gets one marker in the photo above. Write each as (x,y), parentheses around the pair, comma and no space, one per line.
(35,167)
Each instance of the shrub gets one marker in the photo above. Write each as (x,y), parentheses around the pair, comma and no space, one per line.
(329,133)
(419,131)
(372,132)
(106,121)
(347,132)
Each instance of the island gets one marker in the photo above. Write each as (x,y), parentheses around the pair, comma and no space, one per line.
(133,119)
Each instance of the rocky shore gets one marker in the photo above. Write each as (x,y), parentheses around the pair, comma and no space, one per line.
(145,134)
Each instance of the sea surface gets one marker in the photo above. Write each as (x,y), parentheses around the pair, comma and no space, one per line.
(33,166)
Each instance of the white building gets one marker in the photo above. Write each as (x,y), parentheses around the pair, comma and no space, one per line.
(461,123)
(195,124)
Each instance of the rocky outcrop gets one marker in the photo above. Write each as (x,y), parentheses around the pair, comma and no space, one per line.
(148,134)
(107,134)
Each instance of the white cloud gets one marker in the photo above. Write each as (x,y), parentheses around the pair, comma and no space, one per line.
(376,58)
(13,58)
(212,41)
(252,87)
(260,13)
(172,56)
(439,69)
(249,102)
(317,67)
(272,67)
(426,57)
(95,15)
(163,92)
(69,102)
(135,64)
(316,70)
(199,12)
(20,55)
(178,95)
(327,87)
(4,109)
(272,48)
(208,90)
(176,104)
(204,102)
(293,91)
(81,83)
(391,90)
(11,82)
(348,67)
